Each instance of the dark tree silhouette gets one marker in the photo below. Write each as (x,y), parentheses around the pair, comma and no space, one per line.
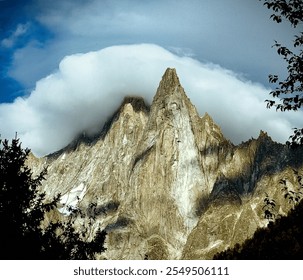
(289,90)
(23,208)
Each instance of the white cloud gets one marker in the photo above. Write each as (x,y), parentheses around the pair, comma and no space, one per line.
(88,88)
(10,41)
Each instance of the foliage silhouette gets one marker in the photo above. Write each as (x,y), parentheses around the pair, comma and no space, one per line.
(293,195)
(269,208)
(22,212)
(289,90)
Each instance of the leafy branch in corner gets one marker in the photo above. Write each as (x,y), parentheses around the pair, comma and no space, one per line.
(269,208)
(289,90)
(293,195)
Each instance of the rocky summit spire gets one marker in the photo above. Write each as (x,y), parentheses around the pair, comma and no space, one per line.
(168,144)
(170,79)
(169,84)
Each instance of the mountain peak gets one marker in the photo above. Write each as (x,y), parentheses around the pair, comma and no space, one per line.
(170,77)
(165,183)
(169,83)
(263,135)
(138,103)
(207,118)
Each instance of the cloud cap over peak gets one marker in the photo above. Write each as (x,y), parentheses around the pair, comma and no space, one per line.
(88,87)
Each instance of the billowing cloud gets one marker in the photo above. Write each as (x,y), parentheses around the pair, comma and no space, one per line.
(87,88)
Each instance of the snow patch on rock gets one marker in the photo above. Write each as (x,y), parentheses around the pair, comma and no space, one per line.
(72,198)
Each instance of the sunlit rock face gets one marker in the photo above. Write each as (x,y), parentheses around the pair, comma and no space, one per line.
(165,183)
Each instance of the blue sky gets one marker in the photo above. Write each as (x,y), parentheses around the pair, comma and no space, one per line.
(234,34)
(37,36)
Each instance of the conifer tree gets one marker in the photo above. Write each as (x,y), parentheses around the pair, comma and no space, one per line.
(23,208)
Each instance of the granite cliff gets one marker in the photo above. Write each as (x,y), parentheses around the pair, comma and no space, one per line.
(165,183)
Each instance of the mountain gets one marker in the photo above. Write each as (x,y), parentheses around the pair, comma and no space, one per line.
(165,183)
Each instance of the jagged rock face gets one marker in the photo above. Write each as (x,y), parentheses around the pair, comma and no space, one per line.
(165,183)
